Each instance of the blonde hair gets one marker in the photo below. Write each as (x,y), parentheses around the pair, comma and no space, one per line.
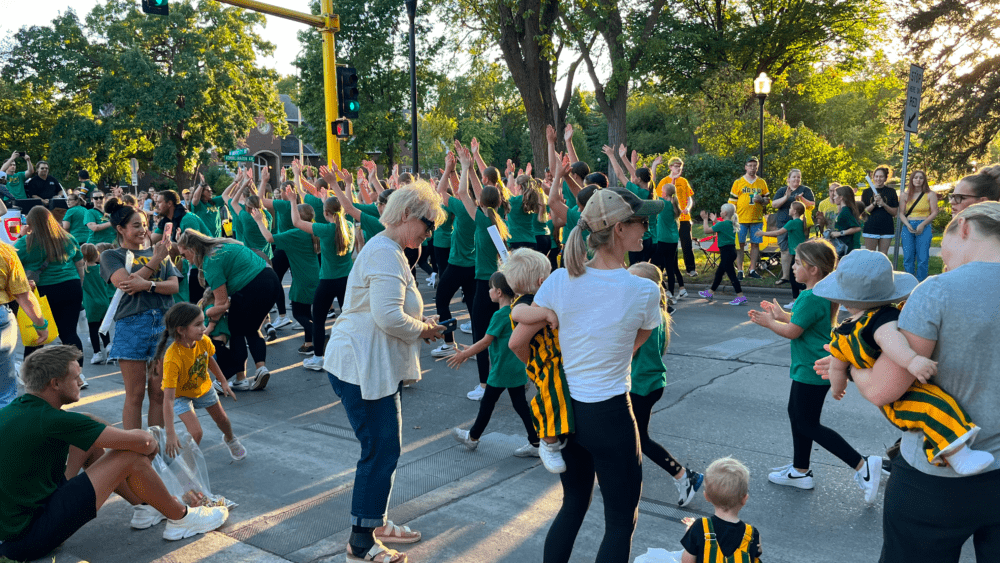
(51,362)
(730,211)
(201,244)
(333,208)
(419,199)
(985,217)
(48,234)
(651,272)
(575,252)
(727,482)
(675,160)
(524,268)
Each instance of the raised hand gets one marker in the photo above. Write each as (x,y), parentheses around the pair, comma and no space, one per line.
(449,162)
(510,167)
(327,175)
(527,169)
(622,151)
(550,134)
(369,165)
(474,146)
(289,194)
(608,151)
(712,217)
(568,132)
(464,157)
(635,157)
(704,214)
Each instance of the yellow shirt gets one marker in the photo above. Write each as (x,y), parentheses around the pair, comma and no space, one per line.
(830,209)
(742,195)
(921,210)
(186,369)
(13,280)
(684,191)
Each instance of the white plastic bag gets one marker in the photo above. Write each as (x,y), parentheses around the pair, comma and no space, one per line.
(657,555)
(185,476)
(116,299)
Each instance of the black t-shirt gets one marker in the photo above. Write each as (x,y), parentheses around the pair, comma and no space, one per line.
(727,534)
(879,221)
(884,315)
(45,189)
(781,214)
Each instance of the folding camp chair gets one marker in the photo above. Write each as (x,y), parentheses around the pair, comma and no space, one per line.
(770,252)
(710,248)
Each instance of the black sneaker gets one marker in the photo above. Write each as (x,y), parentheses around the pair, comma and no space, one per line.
(753,274)
(739,275)
(687,486)
(272,334)
(306,349)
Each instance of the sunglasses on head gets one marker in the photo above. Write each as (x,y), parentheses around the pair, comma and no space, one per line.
(428,223)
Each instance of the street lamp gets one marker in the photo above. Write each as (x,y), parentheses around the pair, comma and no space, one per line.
(411,8)
(762,87)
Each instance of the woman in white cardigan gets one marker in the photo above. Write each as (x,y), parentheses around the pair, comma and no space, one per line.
(374,346)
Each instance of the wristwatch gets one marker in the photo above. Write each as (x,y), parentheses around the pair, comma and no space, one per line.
(152,287)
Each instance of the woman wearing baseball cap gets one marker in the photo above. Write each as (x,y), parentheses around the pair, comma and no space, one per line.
(605,314)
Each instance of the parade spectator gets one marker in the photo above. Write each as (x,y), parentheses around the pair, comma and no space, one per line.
(148,283)
(52,257)
(792,191)
(976,188)
(46,498)
(14,287)
(598,335)
(15,179)
(76,218)
(86,188)
(847,227)
(373,348)
(237,273)
(945,321)
(750,196)
(920,205)
(828,209)
(101,229)
(43,186)
(881,205)
(685,200)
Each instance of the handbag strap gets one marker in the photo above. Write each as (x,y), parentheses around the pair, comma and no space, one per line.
(915,202)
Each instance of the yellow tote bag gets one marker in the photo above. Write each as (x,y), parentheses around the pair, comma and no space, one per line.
(28,333)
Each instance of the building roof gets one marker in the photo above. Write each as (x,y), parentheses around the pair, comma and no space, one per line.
(290,144)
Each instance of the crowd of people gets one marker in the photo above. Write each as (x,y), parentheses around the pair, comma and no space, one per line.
(180,289)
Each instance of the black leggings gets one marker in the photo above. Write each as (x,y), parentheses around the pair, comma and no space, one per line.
(281,266)
(516,245)
(643,255)
(412,257)
(453,278)
(543,243)
(643,409)
(489,402)
(95,338)
(248,308)
(326,291)
(224,357)
(302,312)
(65,299)
(666,258)
(805,405)
(686,245)
(605,444)
(727,265)
(441,260)
(195,290)
(554,251)
(425,255)
(796,286)
(482,313)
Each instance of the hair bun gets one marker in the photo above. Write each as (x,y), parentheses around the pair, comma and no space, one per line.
(992,171)
(112,204)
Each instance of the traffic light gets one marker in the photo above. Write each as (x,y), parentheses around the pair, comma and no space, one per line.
(347,92)
(343,128)
(156,7)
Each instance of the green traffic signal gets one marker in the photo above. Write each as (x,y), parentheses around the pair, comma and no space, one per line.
(156,7)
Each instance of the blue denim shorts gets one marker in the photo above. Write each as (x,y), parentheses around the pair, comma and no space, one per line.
(184,404)
(754,230)
(136,336)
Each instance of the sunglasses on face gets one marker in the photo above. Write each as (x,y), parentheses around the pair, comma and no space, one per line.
(428,223)
(959,198)
(98,197)
(644,222)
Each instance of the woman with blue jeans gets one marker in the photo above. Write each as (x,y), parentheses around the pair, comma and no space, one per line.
(920,206)
(14,287)
(375,346)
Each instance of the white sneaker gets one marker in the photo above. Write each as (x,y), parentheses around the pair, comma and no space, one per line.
(332,314)
(314,363)
(199,519)
(281,321)
(145,516)
(682,293)
(790,305)
(432,279)
(236,449)
(466,327)
(239,385)
(83,382)
(869,476)
(260,379)
(692,273)
(443,351)
(477,393)
(296,325)
(551,455)
(462,437)
(687,486)
(98,358)
(527,450)
(789,477)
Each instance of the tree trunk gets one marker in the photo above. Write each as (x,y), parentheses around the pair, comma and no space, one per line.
(617,133)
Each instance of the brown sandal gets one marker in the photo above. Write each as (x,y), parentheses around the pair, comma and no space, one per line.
(391,533)
(378,554)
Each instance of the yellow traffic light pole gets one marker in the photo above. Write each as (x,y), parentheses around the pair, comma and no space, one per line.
(328,24)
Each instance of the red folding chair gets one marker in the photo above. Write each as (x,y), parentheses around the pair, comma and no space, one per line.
(710,248)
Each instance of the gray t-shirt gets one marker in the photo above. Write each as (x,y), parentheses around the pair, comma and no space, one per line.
(114,260)
(962,314)
(781,215)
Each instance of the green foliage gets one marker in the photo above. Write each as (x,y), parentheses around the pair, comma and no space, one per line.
(218,178)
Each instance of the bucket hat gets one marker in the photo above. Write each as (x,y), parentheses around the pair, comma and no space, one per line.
(863,280)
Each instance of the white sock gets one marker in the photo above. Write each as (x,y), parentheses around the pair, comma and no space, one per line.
(796,473)
(967,461)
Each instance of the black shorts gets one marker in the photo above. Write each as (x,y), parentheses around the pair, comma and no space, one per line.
(71,506)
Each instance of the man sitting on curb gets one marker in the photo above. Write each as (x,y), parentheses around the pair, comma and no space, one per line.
(44,501)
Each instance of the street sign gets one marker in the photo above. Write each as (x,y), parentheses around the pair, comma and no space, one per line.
(911,114)
(238,152)
(238,158)
(134,166)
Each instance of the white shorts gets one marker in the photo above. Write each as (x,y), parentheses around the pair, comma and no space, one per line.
(869,235)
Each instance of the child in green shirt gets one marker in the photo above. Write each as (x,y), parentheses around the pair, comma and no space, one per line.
(726,229)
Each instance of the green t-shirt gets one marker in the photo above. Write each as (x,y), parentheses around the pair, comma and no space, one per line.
(643,194)
(252,236)
(317,205)
(52,273)
(334,266)
(104,235)
(463,233)
(572,218)
(727,237)
(369,208)
(232,265)
(521,224)
(183,294)
(96,297)
(33,455)
(283,215)
(15,185)
(649,373)
(221,327)
(87,189)
(795,234)
(78,217)
(188,221)
(846,220)
(487,257)
(568,196)
(370,226)
(442,234)
(666,224)
(505,369)
(298,245)
(543,229)
(812,314)
(209,215)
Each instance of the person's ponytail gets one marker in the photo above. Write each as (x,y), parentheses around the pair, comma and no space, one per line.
(575,251)
(161,346)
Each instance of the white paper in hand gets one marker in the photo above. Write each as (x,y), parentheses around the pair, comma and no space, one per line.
(109,317)
(498,242)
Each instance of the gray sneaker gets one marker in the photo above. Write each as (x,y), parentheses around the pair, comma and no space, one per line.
(527,450)
(260,380)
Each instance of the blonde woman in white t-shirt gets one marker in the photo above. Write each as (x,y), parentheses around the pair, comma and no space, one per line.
(598,336)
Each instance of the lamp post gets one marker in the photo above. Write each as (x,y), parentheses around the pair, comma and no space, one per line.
(761,87)
(411,8)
